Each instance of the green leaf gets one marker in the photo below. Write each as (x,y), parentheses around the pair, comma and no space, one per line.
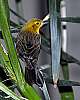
(65,71)
(25,89)
(17,15)
(14,24)
(55,28)
(9,92)
(67,96)
(63,83)
(7,10)
(5,62)
(71,19)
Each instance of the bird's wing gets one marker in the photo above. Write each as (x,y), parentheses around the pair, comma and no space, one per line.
(28,45)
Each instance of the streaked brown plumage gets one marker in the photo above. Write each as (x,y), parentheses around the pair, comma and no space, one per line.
(28,47)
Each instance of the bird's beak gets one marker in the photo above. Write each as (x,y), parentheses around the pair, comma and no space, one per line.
(45,22)
(46,19)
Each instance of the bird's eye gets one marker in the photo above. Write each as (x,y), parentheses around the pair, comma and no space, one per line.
(37,23)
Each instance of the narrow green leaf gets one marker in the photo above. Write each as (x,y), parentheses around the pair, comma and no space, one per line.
(55,28)
(63,83)
(17,15)
(71,19)
(7,10)
(67,96)
(5,62)
(26,90)
(66,92)
(14,24)
(9,92)
(65,71)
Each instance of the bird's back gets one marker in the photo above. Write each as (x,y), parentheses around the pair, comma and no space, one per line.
(28,46)
(28,49)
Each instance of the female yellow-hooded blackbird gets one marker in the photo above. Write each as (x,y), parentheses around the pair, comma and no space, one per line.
(28,48)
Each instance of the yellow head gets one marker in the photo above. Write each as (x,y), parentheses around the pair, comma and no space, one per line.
(33,25)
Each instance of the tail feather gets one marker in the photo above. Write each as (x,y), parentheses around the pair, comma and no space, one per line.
(30,76)
(33,76)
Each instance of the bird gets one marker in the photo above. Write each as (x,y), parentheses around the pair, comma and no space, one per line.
(28,44)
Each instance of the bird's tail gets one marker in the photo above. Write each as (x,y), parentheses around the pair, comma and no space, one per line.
(30,75)
(34,76)
(40,79)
